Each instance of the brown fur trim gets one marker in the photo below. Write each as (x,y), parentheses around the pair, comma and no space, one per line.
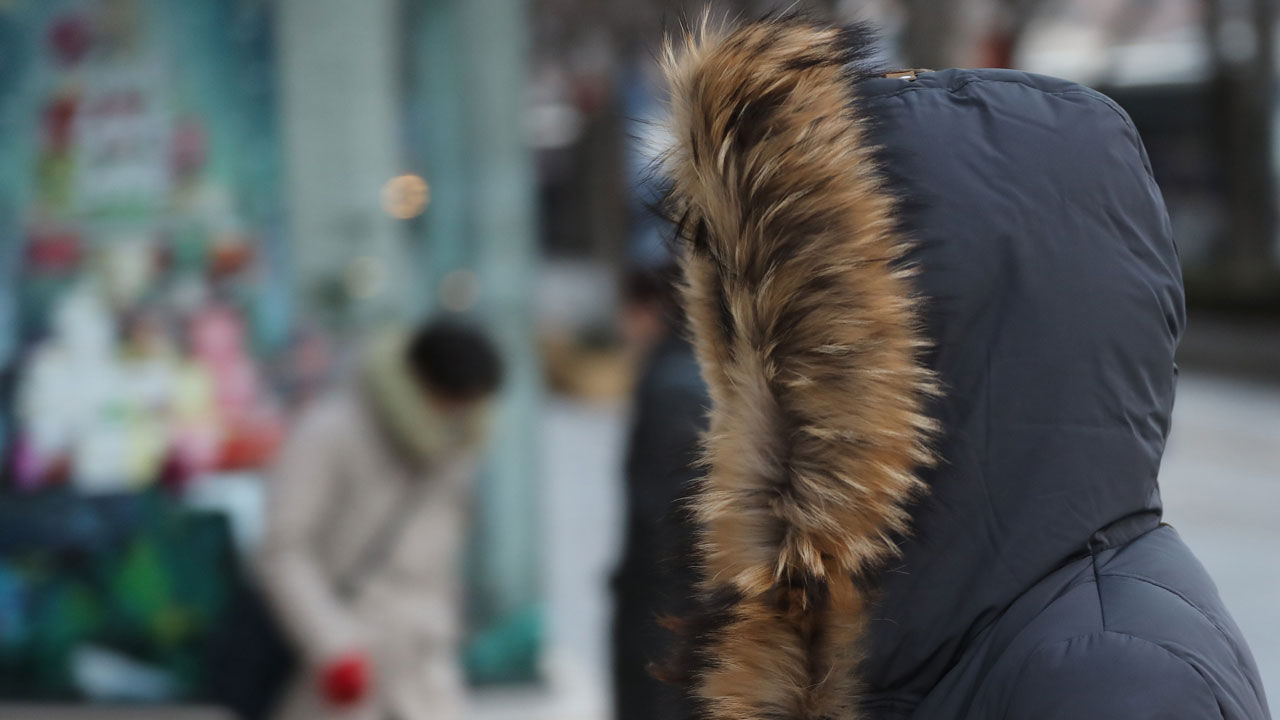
(806,328)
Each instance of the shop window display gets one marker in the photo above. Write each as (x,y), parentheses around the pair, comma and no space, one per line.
(139,375)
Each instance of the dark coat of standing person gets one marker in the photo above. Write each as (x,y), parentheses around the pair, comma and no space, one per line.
(365,522)
(654,579)
(937,312)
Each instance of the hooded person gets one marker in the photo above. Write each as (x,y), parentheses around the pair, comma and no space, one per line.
(669,418)
(937,314)
(366,517)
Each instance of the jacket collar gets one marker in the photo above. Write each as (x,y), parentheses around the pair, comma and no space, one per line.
(419,431)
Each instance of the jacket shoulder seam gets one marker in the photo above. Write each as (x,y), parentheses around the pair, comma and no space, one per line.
(1155,583)
(1097,583)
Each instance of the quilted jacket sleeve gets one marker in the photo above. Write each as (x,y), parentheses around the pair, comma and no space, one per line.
(1110,676)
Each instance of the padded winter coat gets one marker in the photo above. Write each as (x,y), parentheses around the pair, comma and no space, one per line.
(651,582)
(937,313)
(365,520)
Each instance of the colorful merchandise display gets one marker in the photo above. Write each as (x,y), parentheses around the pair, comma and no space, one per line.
(140,359)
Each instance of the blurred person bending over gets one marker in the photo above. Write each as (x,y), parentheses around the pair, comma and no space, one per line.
(365,525)
(654,578)
(937,313)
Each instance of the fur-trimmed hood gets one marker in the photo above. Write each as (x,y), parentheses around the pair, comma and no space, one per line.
(886,287)
(808,335)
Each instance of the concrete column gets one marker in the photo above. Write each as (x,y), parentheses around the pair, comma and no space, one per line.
(339,119)
(469,78)
(504,232)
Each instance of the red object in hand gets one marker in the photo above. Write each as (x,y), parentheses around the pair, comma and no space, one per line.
(345,681)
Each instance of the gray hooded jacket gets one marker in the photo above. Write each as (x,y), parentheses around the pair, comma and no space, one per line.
(937,313)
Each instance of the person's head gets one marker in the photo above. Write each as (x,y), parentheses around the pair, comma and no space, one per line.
(455,364)
(650,306)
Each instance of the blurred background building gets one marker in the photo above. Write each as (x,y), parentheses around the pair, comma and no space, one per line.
(205,204)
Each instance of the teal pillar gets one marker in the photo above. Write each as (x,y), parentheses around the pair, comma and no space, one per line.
(469,79)
(340,110)
(14,51)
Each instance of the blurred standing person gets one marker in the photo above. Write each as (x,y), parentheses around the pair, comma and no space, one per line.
(652,579)
(365,524)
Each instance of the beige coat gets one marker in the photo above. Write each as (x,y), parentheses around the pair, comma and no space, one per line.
(340,479)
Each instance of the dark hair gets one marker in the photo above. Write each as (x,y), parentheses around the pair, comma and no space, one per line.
(454,361)
(656,286)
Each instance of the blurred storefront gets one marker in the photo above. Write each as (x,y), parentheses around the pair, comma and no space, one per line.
(202,203)
(145,295)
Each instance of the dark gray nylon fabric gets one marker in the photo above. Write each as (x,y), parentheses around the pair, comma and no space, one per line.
(1054,295)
